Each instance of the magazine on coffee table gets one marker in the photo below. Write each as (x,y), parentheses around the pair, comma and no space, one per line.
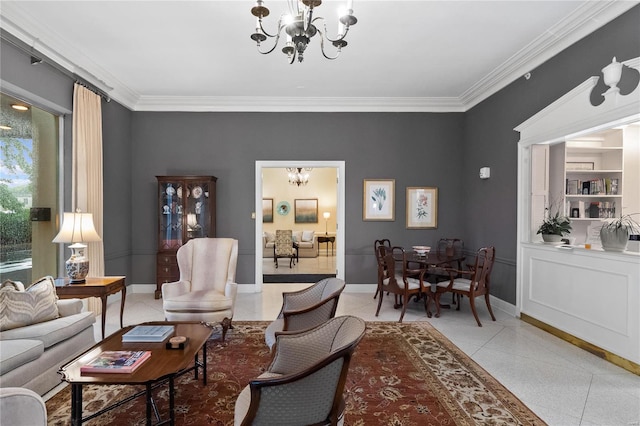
(124,362)
(148,333)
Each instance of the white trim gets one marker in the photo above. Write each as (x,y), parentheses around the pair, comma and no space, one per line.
(340,211)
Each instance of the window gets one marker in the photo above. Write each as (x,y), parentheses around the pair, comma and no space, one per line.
(28,178)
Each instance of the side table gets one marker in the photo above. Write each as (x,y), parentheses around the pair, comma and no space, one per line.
(94,287)
(326,239)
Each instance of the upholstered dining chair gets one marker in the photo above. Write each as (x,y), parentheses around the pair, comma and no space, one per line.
(305,382)
(377,243)
(476,284)
(284,246)
(207,287)
(306,308)
(400,279)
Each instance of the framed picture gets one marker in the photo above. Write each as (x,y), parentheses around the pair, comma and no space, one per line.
(422,208)
(306,210)
(378,199)
(267,210)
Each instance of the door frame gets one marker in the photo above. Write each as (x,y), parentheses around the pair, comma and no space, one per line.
(340,211)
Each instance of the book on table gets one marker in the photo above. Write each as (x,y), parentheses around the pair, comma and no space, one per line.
(148,333)
(124,362)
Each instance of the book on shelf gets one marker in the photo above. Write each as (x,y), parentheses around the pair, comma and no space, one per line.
(148,333)
(123,362)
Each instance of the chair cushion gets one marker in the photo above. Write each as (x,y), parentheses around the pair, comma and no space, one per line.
(54,331)
(198,301)
(36,304)
(14,353)
(462,284)
(414,283)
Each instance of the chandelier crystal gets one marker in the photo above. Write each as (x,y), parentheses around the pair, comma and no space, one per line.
(299,176)
(300,26)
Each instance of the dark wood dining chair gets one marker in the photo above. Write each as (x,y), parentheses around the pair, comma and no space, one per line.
(377,243)
(477,283)
(446,247)
(400,280)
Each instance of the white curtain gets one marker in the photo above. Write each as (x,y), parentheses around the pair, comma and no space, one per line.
(87,172)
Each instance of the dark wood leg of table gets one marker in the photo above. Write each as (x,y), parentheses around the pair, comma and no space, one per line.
(149,402)
(172,410)
(104,312)
(76,404)
(204,363)
(124,296)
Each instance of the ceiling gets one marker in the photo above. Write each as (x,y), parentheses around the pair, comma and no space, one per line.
(402,55)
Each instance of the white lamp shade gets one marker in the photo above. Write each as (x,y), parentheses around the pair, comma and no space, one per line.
(326,215)
(77,228)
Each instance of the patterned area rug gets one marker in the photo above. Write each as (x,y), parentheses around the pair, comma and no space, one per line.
(401,374)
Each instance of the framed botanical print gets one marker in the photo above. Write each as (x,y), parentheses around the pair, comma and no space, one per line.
(422,208)
(306,210)
(378,199)
(267,210)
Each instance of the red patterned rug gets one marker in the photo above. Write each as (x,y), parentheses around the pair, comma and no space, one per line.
(401,374)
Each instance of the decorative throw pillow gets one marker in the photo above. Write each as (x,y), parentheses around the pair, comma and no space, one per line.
(271,237)
(307,236)
(19,308)
(297,236)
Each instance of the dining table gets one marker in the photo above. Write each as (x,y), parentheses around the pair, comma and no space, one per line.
(433,261)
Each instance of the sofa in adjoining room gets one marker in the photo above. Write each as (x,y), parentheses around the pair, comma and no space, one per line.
(39,334)
(307,243)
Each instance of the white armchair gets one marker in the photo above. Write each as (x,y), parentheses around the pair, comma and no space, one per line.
(305,382)
(207,289)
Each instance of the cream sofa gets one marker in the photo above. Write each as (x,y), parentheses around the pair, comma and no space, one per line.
(307,243)
(31,355)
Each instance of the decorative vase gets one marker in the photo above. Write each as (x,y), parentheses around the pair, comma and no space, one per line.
(615,239)
(551,238)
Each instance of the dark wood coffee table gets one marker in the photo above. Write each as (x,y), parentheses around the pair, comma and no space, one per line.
(165,365)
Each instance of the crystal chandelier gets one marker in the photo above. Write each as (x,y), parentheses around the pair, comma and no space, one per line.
(298,175)
(300,26)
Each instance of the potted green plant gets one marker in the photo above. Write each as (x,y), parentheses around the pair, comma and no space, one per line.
(614,235)
(554,227)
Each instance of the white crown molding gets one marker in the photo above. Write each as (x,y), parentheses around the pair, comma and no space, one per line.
(297,104)
(584,20)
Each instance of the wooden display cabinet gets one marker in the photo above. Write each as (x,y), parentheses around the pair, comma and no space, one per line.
(186,210)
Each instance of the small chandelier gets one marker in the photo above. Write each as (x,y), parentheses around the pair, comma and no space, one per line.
(299,26)
(298,175)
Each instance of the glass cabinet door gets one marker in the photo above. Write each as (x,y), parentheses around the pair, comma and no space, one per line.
(197,205)
(171,213)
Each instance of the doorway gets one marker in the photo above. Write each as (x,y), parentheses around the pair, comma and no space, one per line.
(334,207)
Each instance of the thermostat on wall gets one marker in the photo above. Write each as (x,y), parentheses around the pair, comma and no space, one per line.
(485,173)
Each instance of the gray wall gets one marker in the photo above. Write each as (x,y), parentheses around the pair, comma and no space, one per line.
(409,148)
(490,140)
(416,149)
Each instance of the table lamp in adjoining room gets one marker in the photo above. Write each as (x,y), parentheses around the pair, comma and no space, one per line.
(77,228)
(326,216)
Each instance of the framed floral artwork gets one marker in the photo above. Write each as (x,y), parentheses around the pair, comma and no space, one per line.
(422,208)
(378,199)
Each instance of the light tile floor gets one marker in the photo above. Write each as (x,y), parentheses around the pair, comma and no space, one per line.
(305,265)
(561,383)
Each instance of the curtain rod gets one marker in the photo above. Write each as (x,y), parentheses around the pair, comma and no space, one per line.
(37,58)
